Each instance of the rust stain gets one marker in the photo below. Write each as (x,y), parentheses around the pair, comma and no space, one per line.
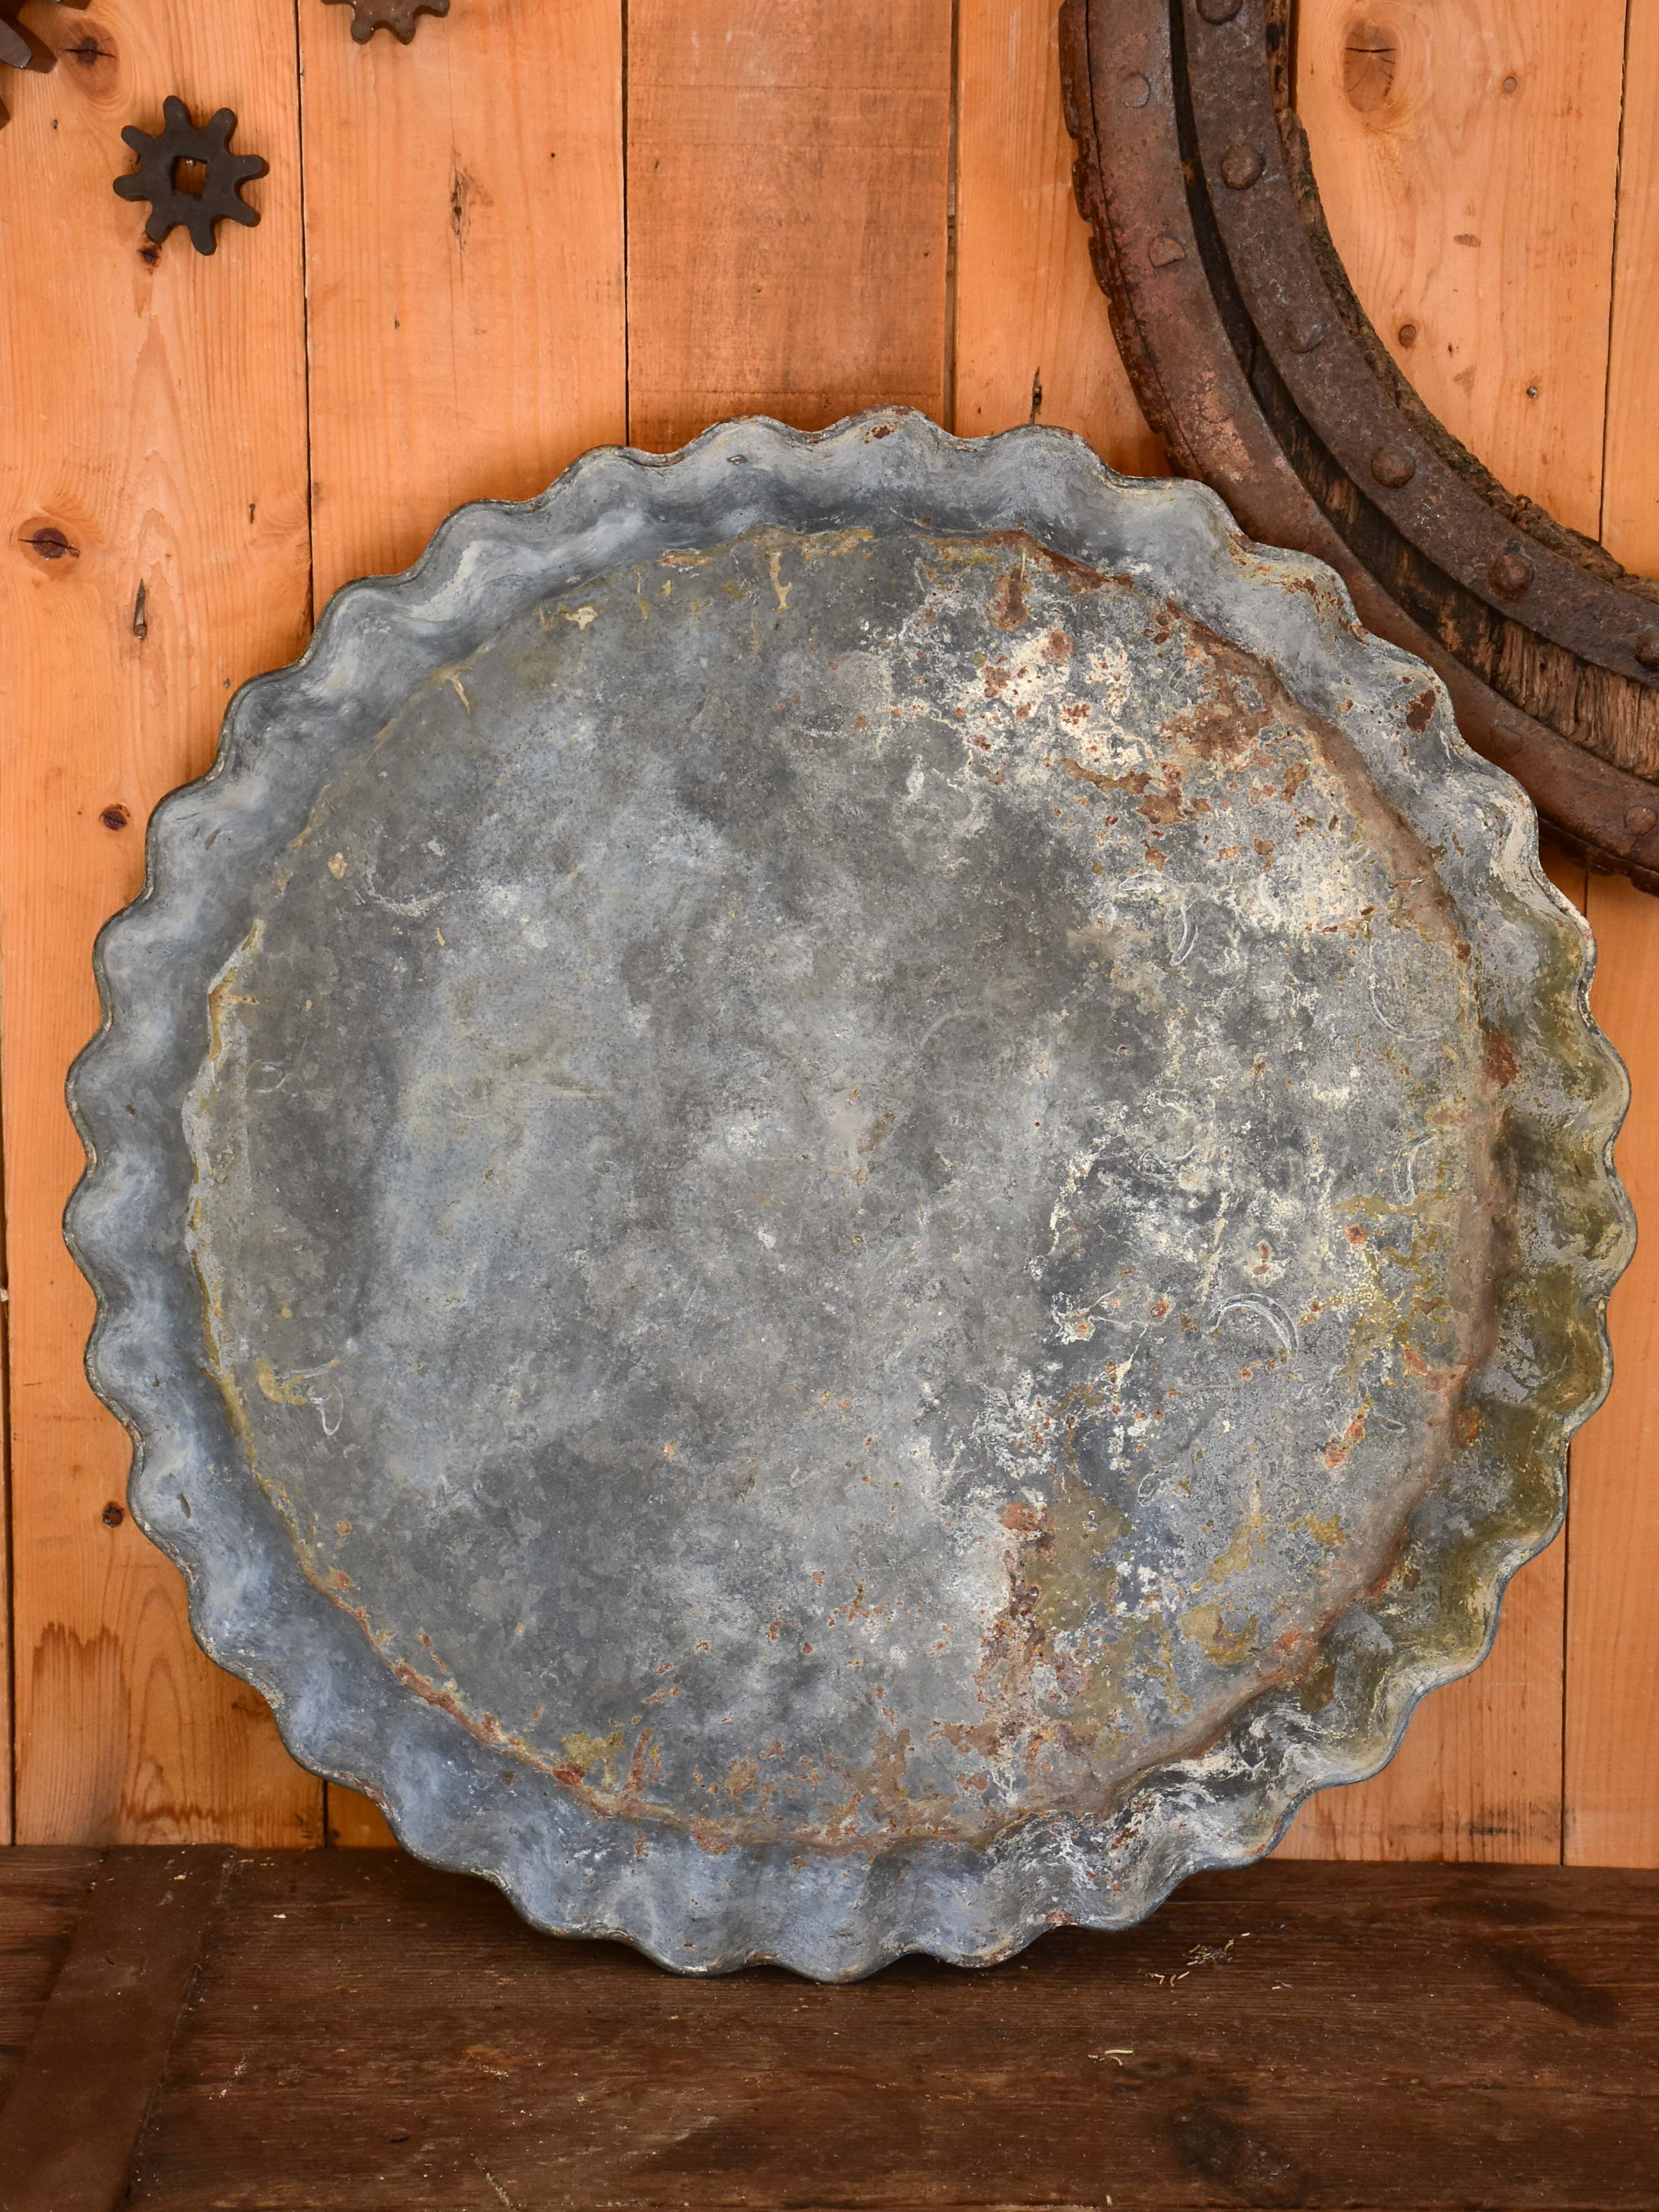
(1499,1064)
(1228,1647)
(1007,607)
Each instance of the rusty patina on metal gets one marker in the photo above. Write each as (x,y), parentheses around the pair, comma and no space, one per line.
(849,1192)
(1252,356)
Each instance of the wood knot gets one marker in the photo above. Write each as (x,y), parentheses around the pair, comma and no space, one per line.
(1371,60)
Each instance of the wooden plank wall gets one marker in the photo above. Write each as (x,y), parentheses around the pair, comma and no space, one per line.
(536,230)
(155,418)
(1612,1790)
(1469,156)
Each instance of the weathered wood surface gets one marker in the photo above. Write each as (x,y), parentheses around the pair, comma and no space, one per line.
(364,2031)
(793,209)
(43,1893)
(71,2121)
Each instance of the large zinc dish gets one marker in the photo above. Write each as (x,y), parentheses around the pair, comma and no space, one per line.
(848,1192)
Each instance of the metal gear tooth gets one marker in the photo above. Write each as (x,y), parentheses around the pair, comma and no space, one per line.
(14,49)
(223,174)
(21,50)
(396,16)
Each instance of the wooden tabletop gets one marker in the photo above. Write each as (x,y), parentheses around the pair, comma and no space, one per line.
(325,2029)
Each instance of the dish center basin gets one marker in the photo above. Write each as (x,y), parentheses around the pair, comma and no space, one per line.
(844,1188)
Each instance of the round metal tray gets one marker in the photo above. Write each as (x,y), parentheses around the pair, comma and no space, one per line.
(849,1192)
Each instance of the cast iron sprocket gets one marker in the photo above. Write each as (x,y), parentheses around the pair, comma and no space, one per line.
(396,16)
(223,172)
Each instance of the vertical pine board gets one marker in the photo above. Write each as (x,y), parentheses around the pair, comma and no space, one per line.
(464,245)
(6,1732)
(1630,497)
(788,170)
(1033,340)
(464,262)
(156,419)
(1467,154)
(1612,1619)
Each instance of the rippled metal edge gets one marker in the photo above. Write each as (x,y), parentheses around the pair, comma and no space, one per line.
(837,1915)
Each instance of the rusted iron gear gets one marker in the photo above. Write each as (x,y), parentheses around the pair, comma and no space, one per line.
(21,50)
(223,172)
(1252,356)
(396,16)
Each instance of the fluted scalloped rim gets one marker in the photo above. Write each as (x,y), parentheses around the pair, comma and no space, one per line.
(836,1914)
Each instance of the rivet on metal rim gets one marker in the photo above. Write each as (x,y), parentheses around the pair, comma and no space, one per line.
(1303,332)
(1240,167)
(1163,250)
(1134,89)
(1219,11)
(1393,465)
(1646,648)
(1641,819)
(1510,574)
